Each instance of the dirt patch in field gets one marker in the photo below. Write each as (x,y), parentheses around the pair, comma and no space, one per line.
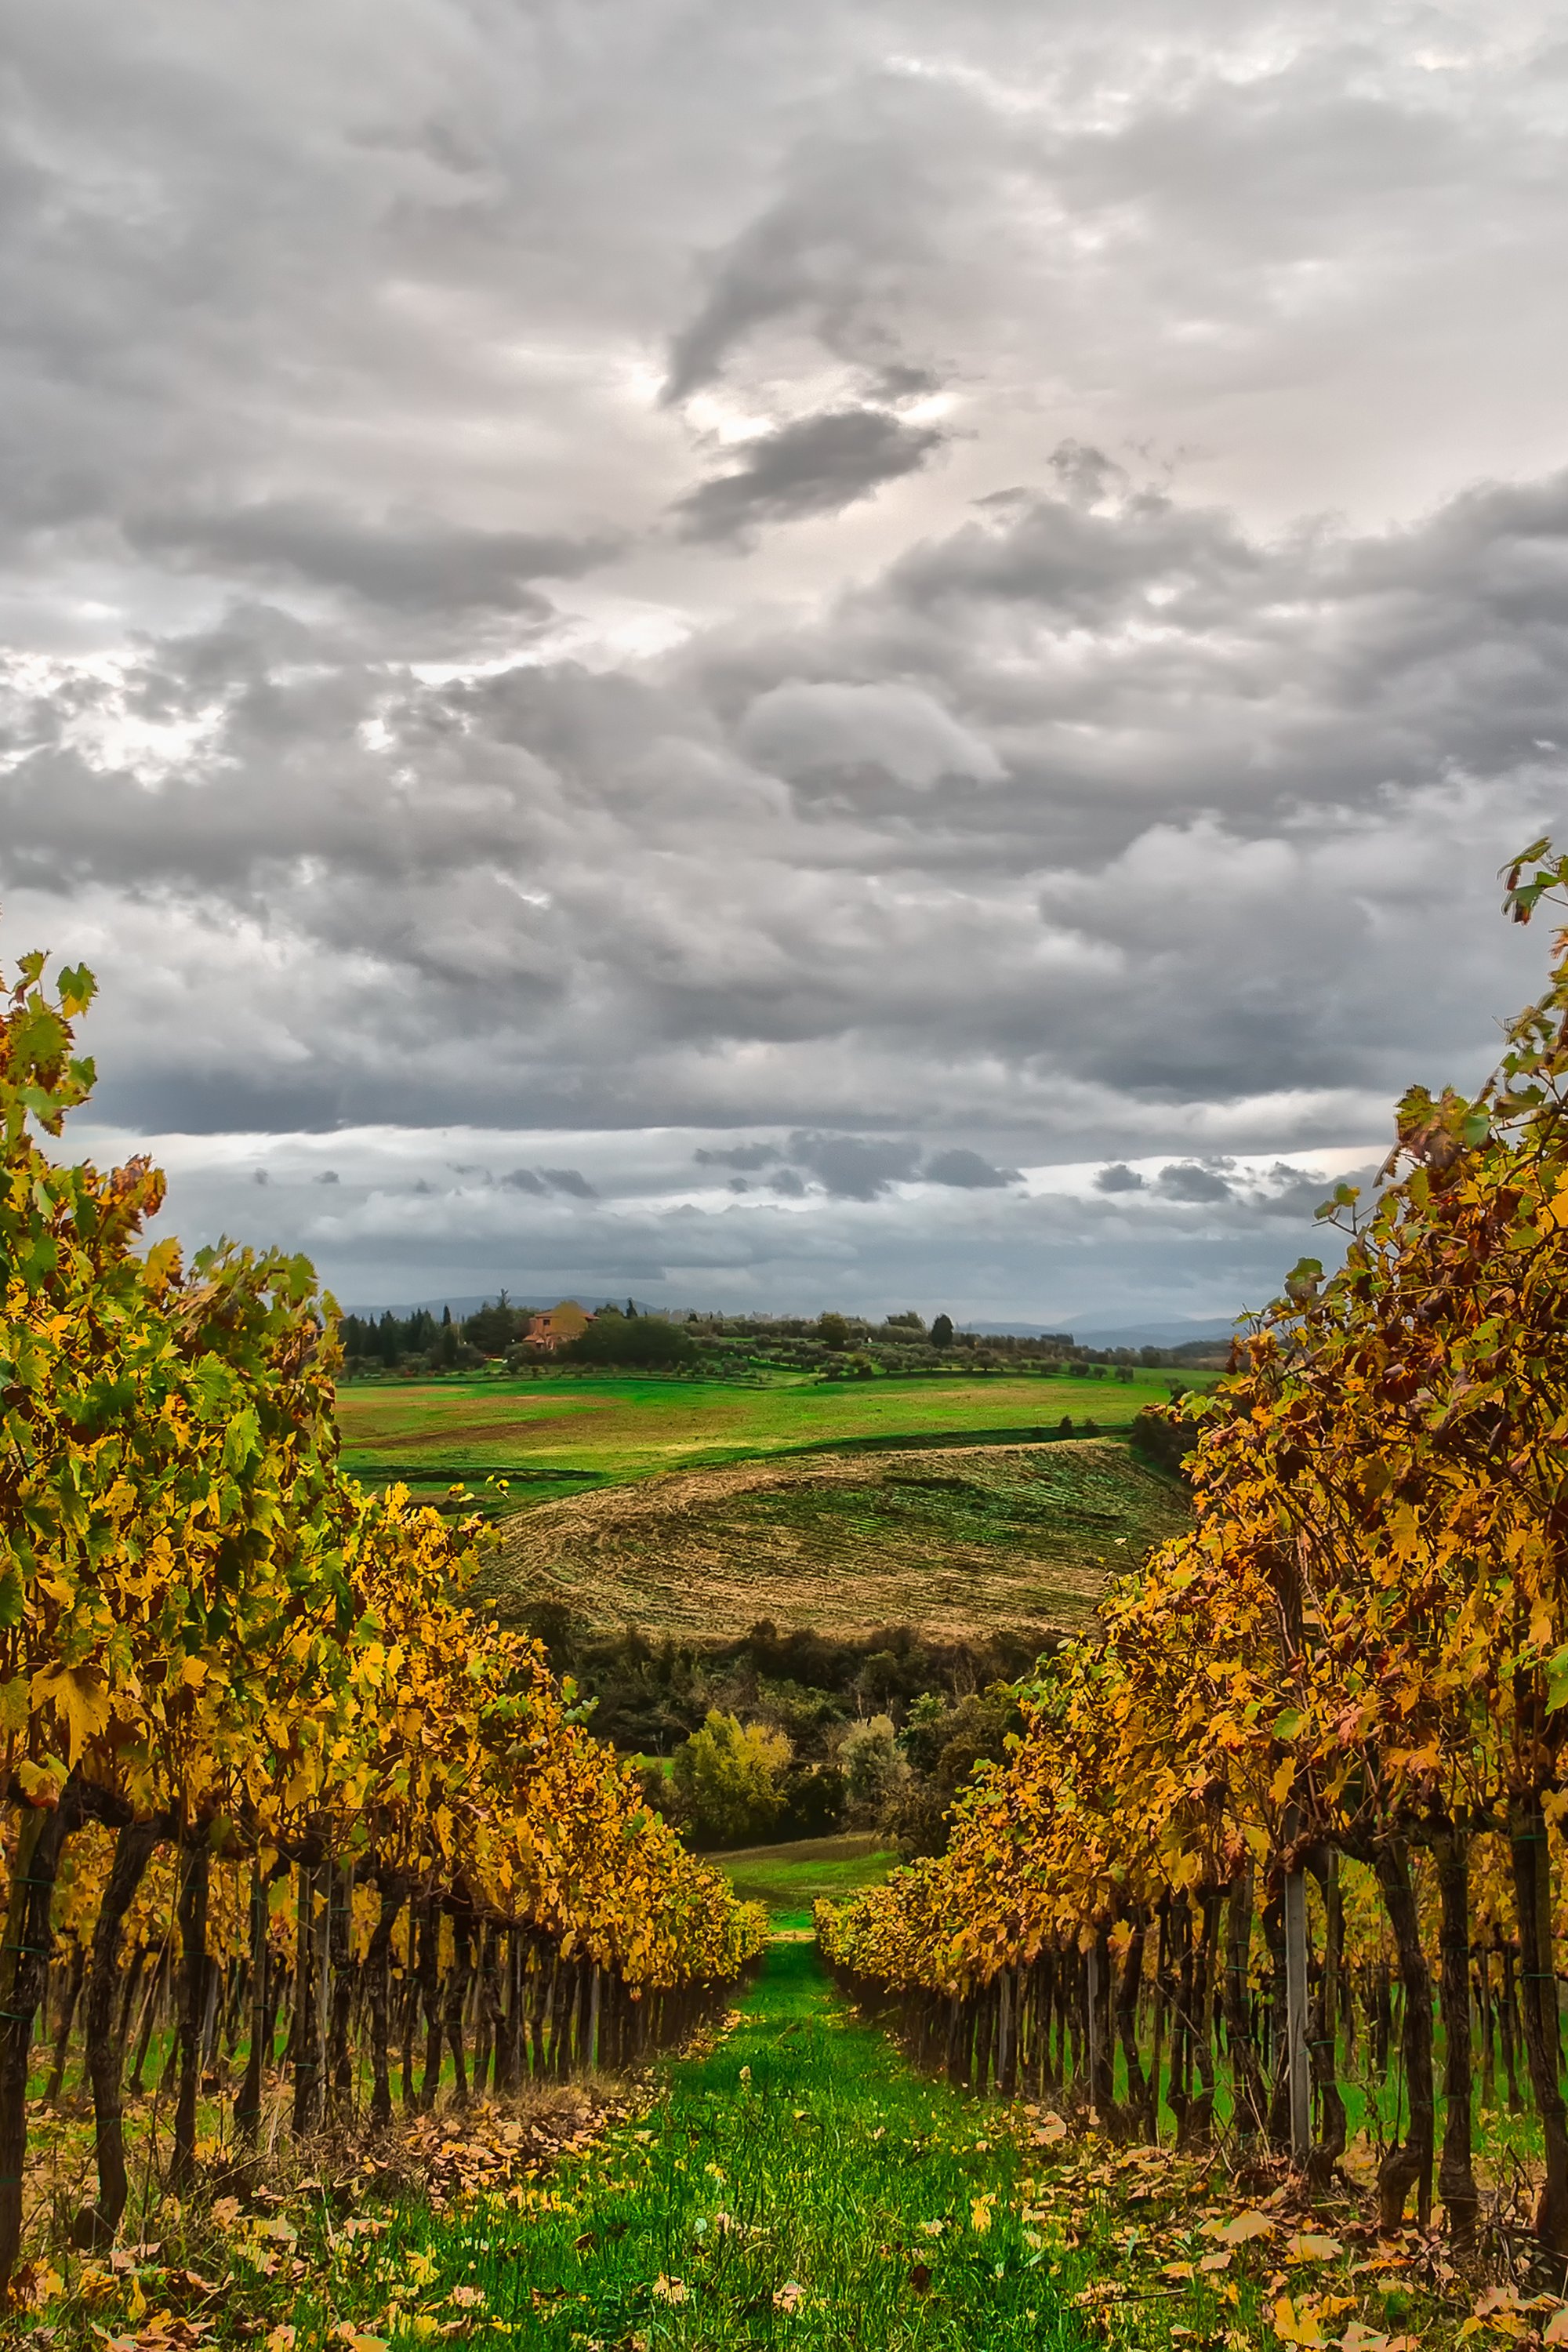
(454,1435)
(954,1542)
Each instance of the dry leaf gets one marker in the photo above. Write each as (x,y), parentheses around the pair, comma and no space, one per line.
(1242,2226)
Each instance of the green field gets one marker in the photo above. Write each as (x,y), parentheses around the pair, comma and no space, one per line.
(608,1429)
(954,1539)
(788,1879)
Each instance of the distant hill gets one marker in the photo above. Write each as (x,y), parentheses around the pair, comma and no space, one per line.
(1217,1327)
(956,1541)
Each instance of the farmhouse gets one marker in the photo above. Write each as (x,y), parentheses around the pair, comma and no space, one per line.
(557,1325)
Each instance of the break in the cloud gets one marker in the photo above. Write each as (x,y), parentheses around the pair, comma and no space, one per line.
(895,601)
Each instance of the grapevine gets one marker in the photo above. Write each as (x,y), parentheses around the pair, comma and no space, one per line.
(259,1755)
(1350,1677)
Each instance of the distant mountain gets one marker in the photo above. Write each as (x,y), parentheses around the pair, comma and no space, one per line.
(1016,1330)
(1159,1335)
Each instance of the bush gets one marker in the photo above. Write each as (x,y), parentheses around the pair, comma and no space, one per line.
(728,1781)
(1164,1444)
(813,1800)
(872,1765)
(636,1341)
(941,1745)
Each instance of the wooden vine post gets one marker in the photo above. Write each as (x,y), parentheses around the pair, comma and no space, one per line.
(1295,2056)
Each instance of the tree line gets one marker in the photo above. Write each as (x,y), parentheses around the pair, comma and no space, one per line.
(839,1345)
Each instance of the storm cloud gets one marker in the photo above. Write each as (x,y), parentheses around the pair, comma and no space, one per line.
(850,604)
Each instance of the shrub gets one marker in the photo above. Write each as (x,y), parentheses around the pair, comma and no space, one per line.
(636,1341)
(728,1780)
(871,1764)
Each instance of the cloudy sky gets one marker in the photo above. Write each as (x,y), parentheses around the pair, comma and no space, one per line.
(877,654)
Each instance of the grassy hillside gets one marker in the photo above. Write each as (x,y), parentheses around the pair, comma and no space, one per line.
(610,1429)
(956,1541)
(789,1879)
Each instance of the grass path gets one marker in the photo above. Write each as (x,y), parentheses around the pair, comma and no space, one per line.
(785,2192)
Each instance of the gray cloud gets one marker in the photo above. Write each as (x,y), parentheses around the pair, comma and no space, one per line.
(737,1155)
(809,730)
(966,1170)
(840,249)
(854,1167)
(1119,1177)
(1127,787)
(569,1180)
(627,897)
(817,466)
(410,562)
(1189,1181)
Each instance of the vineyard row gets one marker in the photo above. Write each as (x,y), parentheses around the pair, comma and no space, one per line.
(1325,1728)
(260,1759)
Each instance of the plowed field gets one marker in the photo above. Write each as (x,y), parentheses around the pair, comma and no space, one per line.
(953,1541)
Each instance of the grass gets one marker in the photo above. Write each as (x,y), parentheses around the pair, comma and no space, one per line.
(788,1879)
(572,1427)
(956,1539)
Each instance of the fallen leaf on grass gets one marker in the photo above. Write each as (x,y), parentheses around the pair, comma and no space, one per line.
(1311,2246)
(1216,2261)
(673,2290)
(163,2333)
(919,2276)
(790,2296)
(358,2339)
(188,2281)
(280,2338)
(1241,2228)
(1556,2330)
(1052,2129)
(1297,2326)
(1501,2310)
